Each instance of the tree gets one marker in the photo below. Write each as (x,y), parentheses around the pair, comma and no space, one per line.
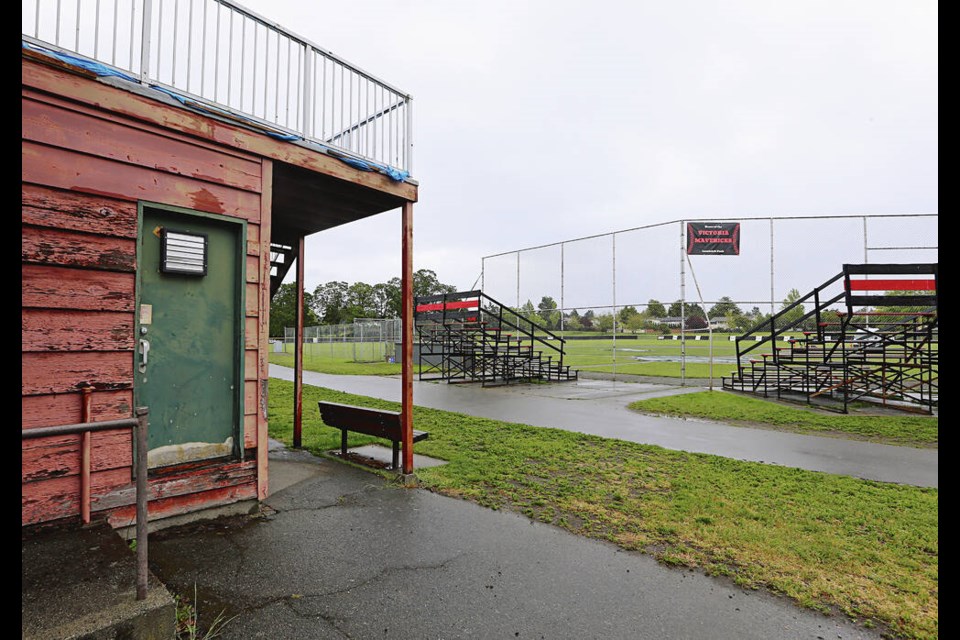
(587,320)
(757,317)
(361,302)
(547,303)
(690,309)
(572,323)
(605,322)
(330,301)
(283,309)
(547,311)
(426,283)
(529,313)
(724,307)
(626,314)
(739,321)
(387,298)
(636,322)
(792,316)
(655,309)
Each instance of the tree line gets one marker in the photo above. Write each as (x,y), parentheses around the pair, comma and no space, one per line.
(337,302)
(653,317)
(725,315)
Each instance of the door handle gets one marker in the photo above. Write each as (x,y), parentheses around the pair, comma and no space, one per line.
(144,353)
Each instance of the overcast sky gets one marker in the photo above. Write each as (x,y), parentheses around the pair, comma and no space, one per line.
(536,122)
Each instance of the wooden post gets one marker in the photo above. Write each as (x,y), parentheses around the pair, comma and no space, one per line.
(263,356)
(86,415)
(406,314)
(298,354)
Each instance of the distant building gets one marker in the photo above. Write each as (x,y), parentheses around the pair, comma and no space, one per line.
(675,322)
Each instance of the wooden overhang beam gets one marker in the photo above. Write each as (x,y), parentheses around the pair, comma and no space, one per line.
(39,73)
(298,353)
(406,314)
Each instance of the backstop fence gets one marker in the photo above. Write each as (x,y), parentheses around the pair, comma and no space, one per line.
(587,282)
(363,340)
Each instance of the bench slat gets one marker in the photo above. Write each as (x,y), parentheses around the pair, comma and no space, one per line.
(382,424)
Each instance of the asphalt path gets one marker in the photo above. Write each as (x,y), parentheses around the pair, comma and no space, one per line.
(345,554)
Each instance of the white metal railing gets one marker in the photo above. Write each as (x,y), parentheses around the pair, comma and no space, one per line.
(217,52)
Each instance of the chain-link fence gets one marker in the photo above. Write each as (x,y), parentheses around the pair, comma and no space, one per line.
(363,340)
(636,296)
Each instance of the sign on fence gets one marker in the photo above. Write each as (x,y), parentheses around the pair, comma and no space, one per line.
(713,238)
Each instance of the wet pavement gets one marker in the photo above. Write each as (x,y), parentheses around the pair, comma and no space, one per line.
(343,553)
(599,407)
(80,583)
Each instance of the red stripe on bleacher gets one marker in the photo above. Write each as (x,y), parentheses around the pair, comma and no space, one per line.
(463,304)
(893,285)
(456,304)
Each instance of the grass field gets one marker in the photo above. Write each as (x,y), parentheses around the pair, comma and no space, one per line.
(340,358)
(729,408)
(867,549)
(644,355)
(647,355)
(586,355)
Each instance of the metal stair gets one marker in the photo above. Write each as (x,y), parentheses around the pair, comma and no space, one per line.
(468,336)
(281,259)
(887,358)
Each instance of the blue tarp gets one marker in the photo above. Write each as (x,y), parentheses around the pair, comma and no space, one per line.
(363,165)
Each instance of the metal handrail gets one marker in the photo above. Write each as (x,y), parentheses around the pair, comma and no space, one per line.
(533,327)
(770,323)
(221,54)
(139,425)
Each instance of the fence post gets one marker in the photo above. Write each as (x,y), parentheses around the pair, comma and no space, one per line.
(683,310)
(142,414)
(307,91)
(145,36)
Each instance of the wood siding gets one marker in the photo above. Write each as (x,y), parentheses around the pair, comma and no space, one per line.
(87,161)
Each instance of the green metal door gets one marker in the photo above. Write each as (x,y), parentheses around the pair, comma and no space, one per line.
(189,356)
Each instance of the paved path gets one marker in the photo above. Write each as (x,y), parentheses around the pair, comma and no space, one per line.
(345,555)
(599,407)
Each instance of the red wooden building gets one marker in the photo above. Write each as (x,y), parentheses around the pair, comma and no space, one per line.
(157,215)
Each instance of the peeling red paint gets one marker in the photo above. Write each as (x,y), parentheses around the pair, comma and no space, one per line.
(79,238)
(204,200)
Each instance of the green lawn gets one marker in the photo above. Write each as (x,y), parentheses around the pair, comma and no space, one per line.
(587,355)
(735,409)
(867,549)
(341,358)
(338,366)
(599,355)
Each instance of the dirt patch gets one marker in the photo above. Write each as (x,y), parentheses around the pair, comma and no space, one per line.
(359,459)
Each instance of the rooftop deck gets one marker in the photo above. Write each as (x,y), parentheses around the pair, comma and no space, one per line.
(240,65)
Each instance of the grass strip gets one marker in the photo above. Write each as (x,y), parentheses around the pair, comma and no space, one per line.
(731,408)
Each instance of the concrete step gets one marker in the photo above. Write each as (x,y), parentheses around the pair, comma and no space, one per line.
(79,583)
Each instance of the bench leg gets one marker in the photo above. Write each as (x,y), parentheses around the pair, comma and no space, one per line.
(343,443)
(396,455)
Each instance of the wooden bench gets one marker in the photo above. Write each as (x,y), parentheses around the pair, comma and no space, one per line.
(372,422)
